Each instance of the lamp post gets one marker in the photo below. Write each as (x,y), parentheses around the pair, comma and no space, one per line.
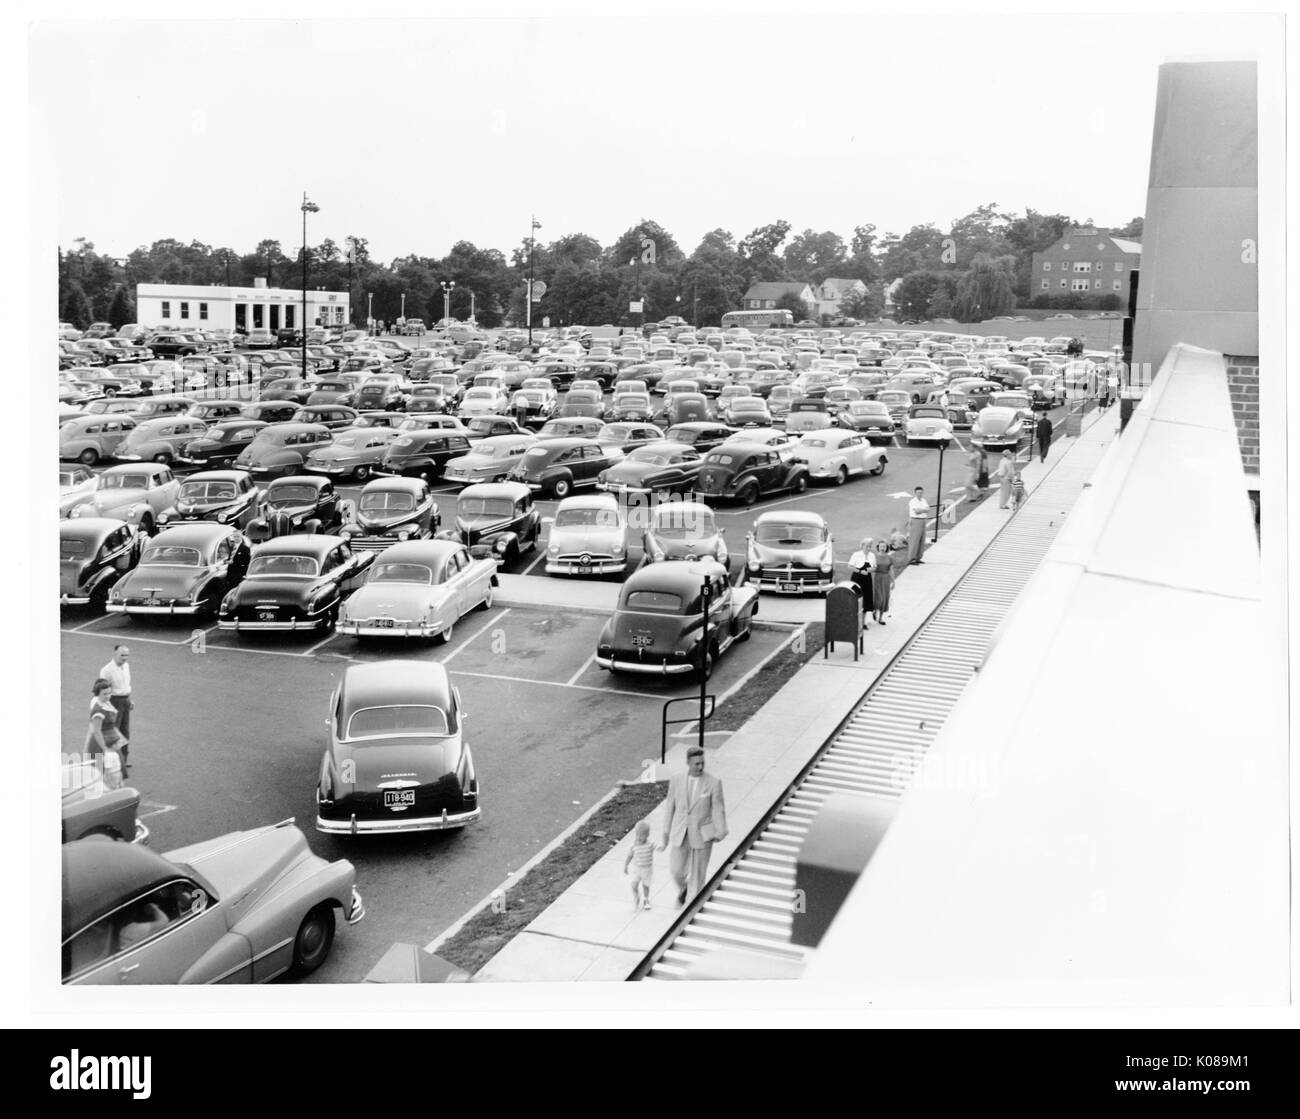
(401,315)
(370,312)
(695,311)
(943,446)
(351,244)
(447,286)
(227,256)
(528,306)
(307,208)
(706,594)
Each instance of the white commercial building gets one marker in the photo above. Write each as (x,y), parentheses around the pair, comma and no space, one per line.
(214,306)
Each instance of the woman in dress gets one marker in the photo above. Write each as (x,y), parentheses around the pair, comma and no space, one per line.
(1002,475)
(882,579)
(861,564)
(103,739)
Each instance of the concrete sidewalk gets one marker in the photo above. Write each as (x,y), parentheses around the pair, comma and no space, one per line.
(591,932)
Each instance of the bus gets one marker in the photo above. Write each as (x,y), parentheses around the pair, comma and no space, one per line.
(758,320)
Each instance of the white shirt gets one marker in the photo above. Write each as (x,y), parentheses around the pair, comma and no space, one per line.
(692,789)
(118,676)
(918,507)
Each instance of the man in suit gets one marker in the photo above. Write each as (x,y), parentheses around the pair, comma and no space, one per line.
(694,819)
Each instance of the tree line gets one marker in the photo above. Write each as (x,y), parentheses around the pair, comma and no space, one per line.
(977,269)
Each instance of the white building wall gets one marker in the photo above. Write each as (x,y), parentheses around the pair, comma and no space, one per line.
(215,307)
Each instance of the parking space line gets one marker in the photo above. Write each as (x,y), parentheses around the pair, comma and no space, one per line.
(585,665)
(318,645)
(83,625)
(541,555)
(207,648)
(557,684)
(477,633)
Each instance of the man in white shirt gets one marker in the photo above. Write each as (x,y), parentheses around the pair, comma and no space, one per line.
(918,518)
(118,674)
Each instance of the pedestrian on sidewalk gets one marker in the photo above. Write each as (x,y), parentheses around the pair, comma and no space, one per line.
(861,565)
(641,858)
(1112,386)
(918,519)
(1044,432)
(104,739)
(118,674)
(695,818)
(1002,475)
(884,570)
(973,463)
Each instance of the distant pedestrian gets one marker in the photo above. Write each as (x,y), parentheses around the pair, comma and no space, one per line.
(641,858)
(1044,432)
(118,674)
(861,567)
(1112,386)
(918,519)
(104,738)
(884,570)
(1002,475)
(1017,492)
(974,462)
(694,818)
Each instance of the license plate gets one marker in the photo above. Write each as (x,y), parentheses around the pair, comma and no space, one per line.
(584,569)
(787,588)
(266,615)
(643,642)
(399,798)
(385,623)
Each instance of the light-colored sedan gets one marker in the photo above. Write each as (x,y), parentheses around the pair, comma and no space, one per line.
(135,493)
(483,401)
(588,537)
(420,588)
(835,455)
(927,423)
(490,460)
(76,484)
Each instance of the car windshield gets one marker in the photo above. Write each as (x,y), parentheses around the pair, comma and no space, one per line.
(208,491)
(385,502)
(402,573)
(351,439)
(678,524)
(290,495)
(123,481)
(72,549)
(596,515)
(655,600)
(71,477)
(484,507)
(171,554)
(275,567)
(789,535)
(381,722)
(927,413)
(806,442)
(480,394)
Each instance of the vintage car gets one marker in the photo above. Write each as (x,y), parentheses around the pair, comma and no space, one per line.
(537,399)
(219,446)
(488,460)
(1046,391)
(836,455)
(702,436)
(927,423)
(582,404)
(429,398)
(241,908)
(184,571)
(382,394)
(420,588)
(658,628)
(746,411)
(898,401)
(339,389)
(424,452)
(92,808)
(484,401)
(135,493)
(685,408)
(560,465)
(808,415)
(662,467)
(870,417)
(333,416)
(745,472)
(998,429)
(94,553)
(1018,401)
(155,407)
(93,437)
(790,552)
(397,760)
(160,440)
(76,484)
(310,504)
(571,427)
(391,510)
(295,582)
(588,537)
(683,530)
(295,389)
(631,406)
(497,519)
(353,454)
(227,497)
(281,450)
(270,411)
(215,411)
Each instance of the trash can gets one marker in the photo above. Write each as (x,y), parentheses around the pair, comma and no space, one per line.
(844,616)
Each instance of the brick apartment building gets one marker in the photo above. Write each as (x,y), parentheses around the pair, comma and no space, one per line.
(1085,262)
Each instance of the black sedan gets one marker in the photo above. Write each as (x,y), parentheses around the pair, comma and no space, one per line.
(184,571)
(294,583)
(558,466)
(94,554)
(397,760)
(745,472)
(227,497)
(663,467)
(300,503)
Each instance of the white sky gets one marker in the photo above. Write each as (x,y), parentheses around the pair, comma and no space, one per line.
(421,132)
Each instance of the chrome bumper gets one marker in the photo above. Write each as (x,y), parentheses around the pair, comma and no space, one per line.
(356,908)
(596,567)
(128,608)
(290,624)
(768,583)
(141,833)
(614,664)
(74,600)
(406,629)
(353,826)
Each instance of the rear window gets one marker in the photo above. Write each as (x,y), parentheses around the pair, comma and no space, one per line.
(72,549)
(655,600)
(378,722)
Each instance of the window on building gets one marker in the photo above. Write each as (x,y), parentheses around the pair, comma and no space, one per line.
(185,310)
(1083,266)
(1066,248)
(1047,284)
(1047,266)
(167,309)
(203,311)
(1096,285)
(1119,266)
(1100,266)
(1080,285)
(1115,285)
(1062,283)
(1065,266)
(288,316)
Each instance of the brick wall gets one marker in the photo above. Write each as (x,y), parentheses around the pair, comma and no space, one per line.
(1243,387)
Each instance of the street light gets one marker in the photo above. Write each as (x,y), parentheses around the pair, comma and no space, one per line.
(532,244)
(447,286)
(943,446)
(370,312)
(401,315)
(307,208)
(351,243)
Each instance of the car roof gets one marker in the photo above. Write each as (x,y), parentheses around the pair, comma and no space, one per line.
(218,476)
(92,530)
(513,490)
(98,876)
(395,683)
(304,544)
(744,446)
(681,577)
(392,484)
(590,501)
(792,517)
(150,468)
(197,534)
(301,480)
(431,552)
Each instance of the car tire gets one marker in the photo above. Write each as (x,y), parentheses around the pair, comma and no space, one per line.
(486,604)
(800,484)
(879,469)
(561,488)
(361,473)
(703,675)
(311,945)
(445,636)
(146,524)
(88,457)
(841,475)
(163,457)
(748,495)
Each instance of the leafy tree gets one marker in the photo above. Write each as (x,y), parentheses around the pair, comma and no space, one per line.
(920,249)
(758,253)
(984,291)
(1132,231)
(813,256)
(791,302)
(865,305)
(122,310)
(74,307)
(912,297)
(630,245)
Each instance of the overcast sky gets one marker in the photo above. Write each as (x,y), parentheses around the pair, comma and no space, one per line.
(416,133)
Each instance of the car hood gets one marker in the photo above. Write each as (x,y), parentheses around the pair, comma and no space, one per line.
(707,546)
(243,866)
(996,423)
(372,521)
(809,555)
(404,601)
(585,538)
(161,580)
(206,508)
(294,509)
(471,528)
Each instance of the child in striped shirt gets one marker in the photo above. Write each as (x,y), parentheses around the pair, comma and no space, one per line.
(641,858)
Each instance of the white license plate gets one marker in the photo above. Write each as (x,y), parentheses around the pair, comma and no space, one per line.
(385,623)
(584,569)
(266,615)
(399,798)
(787,588)
(643,642)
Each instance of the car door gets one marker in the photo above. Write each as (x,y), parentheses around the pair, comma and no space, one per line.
(348,568)
(721,614)
(112,435)
(456,577)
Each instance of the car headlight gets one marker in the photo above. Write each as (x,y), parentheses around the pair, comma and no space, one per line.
(826,567)
(657,554)
(404,532)
(617,549)
(554,549)
(754,565)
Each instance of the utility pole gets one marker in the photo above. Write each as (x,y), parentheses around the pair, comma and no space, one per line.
(532,245)
(307,208)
